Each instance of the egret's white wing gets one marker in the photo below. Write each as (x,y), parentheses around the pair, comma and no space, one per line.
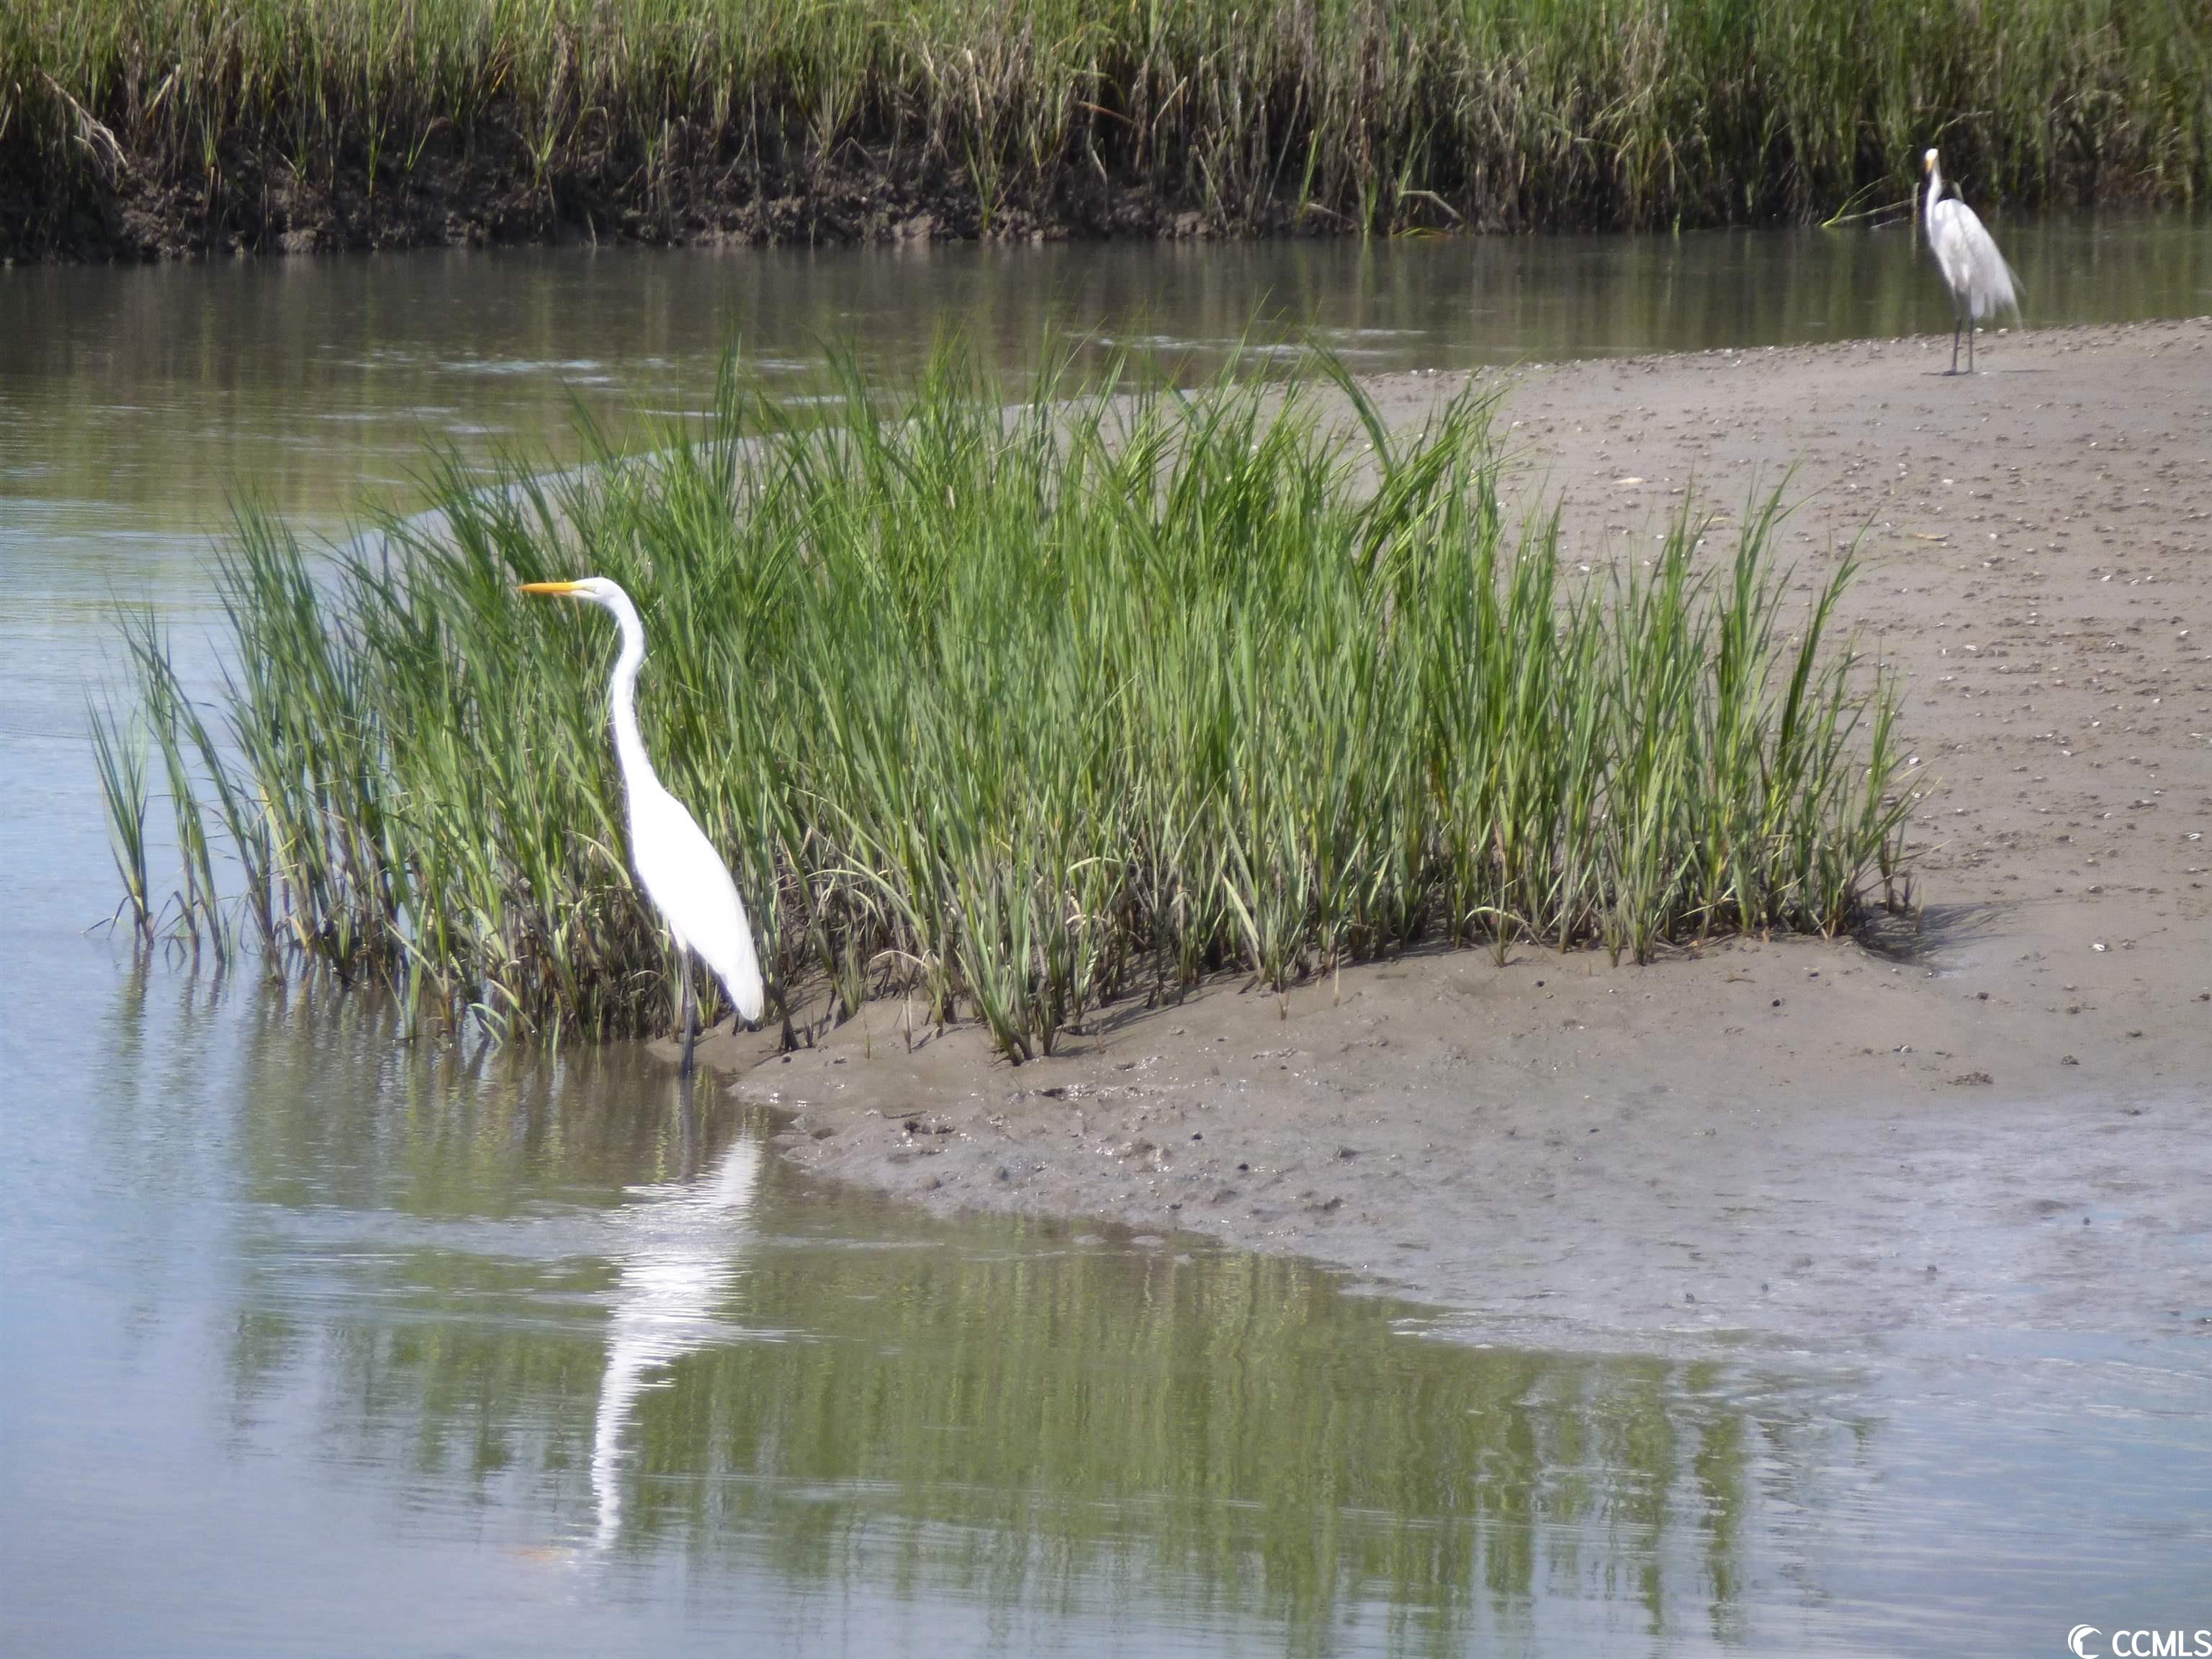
(686,878)
(1967,255)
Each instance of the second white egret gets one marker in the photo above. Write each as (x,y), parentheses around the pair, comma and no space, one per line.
(1981,282)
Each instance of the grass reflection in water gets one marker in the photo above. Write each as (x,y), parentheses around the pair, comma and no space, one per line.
(552,1285)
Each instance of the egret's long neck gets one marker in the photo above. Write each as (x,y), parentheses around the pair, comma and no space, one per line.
(1934,194)
(622,696)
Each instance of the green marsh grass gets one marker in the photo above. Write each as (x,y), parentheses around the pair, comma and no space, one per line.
(1023,710)
(1370,115)
(119,756)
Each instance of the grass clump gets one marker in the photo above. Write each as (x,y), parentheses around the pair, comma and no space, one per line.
(1021,710)
(359,121)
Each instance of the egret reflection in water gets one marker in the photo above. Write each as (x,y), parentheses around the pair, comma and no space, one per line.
(678,1250)
(489,1310)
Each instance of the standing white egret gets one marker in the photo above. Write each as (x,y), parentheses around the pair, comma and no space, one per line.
(683,874)
(1980,281)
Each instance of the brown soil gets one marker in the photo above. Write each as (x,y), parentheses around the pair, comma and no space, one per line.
(487,192)
(2002,1117)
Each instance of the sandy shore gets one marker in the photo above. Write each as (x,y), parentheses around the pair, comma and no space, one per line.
(2004,1120)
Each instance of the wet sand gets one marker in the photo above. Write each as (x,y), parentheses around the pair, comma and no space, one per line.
(2001,1120)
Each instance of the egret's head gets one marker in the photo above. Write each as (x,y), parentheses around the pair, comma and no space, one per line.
(598,589)
(1928,160)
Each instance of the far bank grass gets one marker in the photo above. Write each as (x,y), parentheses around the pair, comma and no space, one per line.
(1023,710)
(1264,114)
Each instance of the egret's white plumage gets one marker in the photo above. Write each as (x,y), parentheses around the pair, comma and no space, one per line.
(680,871)
(1981,282)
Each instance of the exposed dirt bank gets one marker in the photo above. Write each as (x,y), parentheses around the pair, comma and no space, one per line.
(2004,1118)
(489,194)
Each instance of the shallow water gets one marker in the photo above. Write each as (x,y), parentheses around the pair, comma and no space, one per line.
(314,1342)
(350,1348)
(156,392)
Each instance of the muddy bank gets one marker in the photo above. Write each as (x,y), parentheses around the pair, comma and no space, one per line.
(2002,1117)
(489,192)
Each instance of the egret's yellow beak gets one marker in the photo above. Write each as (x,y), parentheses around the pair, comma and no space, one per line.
(551,587)
(1925,164)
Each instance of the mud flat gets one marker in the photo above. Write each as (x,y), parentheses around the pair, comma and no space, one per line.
(2002,1117)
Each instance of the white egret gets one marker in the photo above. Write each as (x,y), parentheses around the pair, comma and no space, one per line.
(682,874)
(1981,282)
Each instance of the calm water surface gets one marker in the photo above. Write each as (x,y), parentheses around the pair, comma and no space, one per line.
(155,392)
(313,1342)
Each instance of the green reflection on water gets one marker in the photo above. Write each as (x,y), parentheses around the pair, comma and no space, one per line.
(560,1286)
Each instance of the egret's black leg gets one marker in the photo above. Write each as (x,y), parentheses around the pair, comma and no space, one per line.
(685,1013)
(1970,344)
(1954,343)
